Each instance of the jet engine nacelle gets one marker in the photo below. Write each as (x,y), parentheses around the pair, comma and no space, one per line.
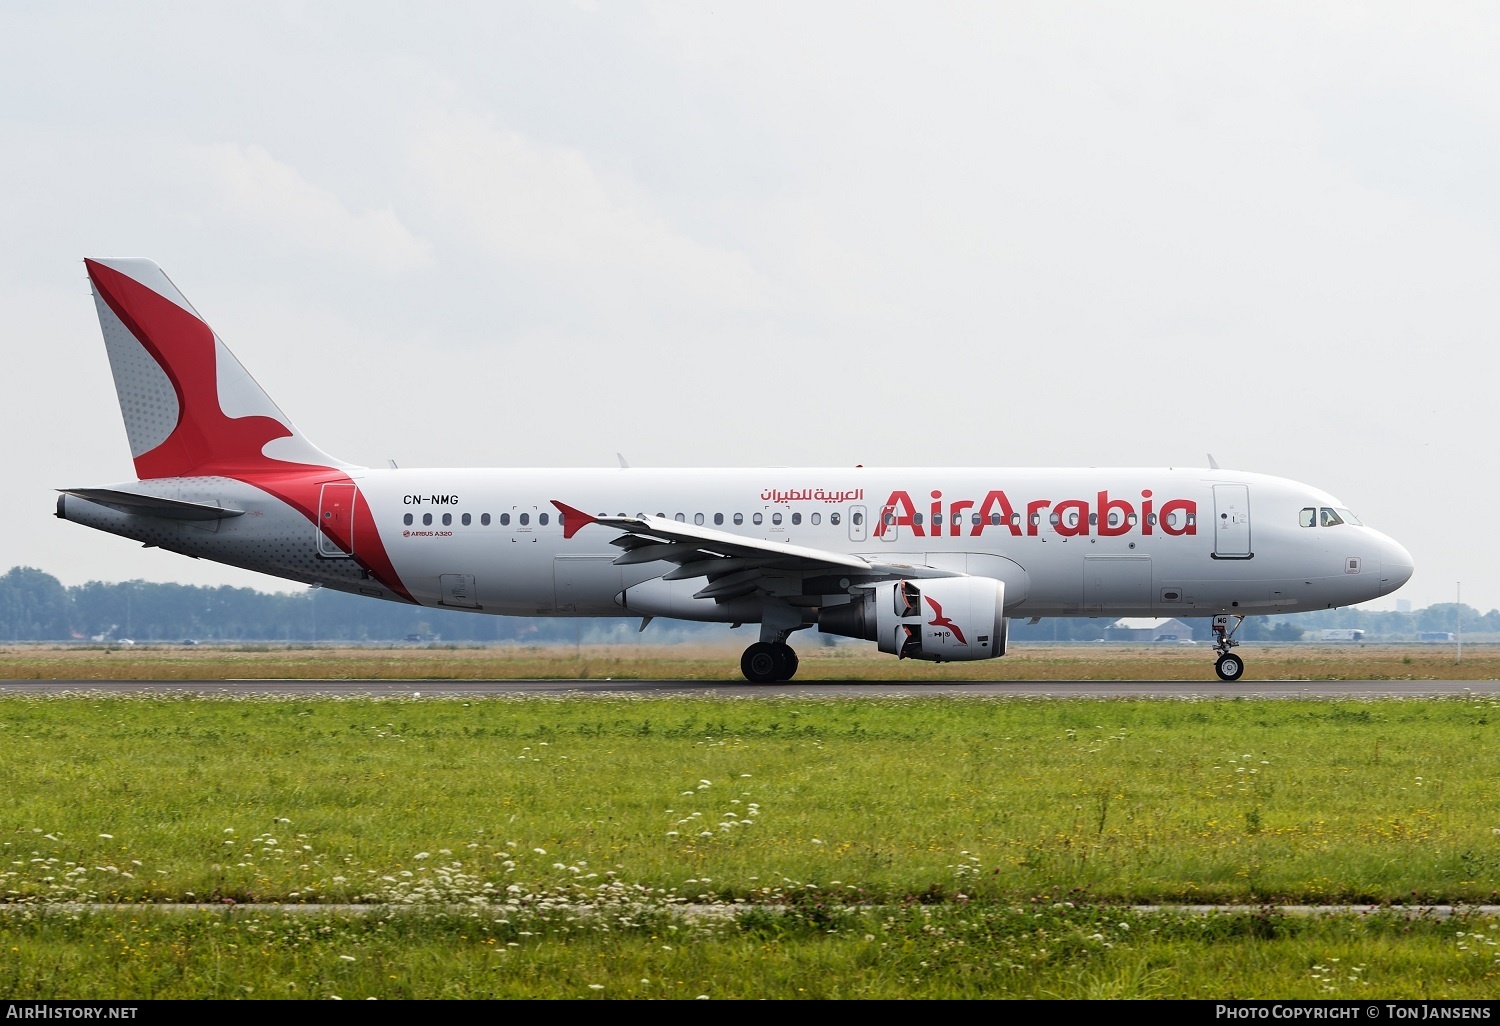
(946,618)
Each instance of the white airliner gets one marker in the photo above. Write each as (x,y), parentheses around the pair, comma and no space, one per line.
(928,563)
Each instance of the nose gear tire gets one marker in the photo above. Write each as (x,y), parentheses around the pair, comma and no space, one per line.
(1229,667)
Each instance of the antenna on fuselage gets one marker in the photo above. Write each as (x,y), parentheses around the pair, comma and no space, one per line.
(1213,464)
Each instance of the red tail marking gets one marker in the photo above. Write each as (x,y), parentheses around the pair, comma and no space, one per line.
(939,620)
(207,442)
(204,440)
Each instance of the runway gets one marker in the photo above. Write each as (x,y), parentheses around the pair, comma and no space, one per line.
(1196,690)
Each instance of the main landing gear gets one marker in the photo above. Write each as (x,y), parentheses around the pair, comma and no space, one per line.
(767,662)
(1230,666)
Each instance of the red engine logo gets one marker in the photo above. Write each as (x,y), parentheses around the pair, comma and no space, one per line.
(939,620)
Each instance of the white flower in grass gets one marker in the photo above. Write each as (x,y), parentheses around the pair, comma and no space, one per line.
(596,986)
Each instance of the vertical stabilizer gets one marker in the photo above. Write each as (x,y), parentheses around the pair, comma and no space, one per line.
(190,409)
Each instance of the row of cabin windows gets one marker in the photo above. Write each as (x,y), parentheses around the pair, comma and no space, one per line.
(759,518)
(524,519)
(1309,518)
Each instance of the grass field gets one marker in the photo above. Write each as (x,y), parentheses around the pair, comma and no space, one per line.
(1050,949)
(710,663)
(870,847)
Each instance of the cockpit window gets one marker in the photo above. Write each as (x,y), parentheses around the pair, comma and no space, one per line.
(1349,518)
(1330,518)
(1308,517)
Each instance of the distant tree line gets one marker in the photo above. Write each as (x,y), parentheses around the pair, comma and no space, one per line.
(35,606)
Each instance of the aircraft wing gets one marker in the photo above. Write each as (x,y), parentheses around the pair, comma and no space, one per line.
(733,564)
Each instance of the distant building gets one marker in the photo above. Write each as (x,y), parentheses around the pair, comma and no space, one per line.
(1146,628)
(1435,636)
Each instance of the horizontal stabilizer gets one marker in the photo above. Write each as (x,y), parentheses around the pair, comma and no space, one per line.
(152,505)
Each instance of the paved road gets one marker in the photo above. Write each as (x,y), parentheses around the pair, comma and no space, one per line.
(742,689)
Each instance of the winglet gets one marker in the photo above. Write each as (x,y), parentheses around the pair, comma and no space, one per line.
(572,519)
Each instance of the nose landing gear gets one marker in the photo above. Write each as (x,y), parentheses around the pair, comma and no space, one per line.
(1229,666)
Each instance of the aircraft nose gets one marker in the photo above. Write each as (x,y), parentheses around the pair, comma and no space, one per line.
(1396,565)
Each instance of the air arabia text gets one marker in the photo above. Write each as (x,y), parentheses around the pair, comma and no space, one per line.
(1106,516)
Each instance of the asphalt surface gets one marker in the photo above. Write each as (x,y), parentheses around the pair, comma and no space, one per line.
(791,689)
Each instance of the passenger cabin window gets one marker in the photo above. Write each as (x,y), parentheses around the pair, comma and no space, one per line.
(859,518)
(407,520)
(833,518)
(739,518)
(681,518)
(1330,518)
(817,518)
(776,518)
(504,519)
(718,519)
(541,518)
(467,519)
(757,518)
(447,519)
(796,518)
(426,519)
(698,519)
(524,519)
(484,519)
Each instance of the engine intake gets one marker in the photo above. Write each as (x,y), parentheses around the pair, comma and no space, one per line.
(947,618)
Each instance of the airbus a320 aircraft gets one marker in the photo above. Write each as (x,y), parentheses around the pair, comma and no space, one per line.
(927,563)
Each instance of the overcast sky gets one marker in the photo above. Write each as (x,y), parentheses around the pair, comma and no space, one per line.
(535,234)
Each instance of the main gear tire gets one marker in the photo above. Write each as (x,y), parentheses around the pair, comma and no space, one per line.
(762,664)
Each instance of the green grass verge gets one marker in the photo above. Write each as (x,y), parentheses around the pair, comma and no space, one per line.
(883,848)
(1047,949)
(174,799)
